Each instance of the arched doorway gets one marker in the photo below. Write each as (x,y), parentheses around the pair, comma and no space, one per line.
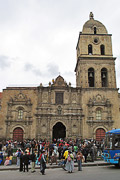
(59,131)
(100,134)
(18,134)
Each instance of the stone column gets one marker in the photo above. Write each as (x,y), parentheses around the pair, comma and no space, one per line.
(27,129)
(49,96)
(8,129)
(70,96)
(39,127)
(48,128)
(79,97)
(40,97)
(70,126)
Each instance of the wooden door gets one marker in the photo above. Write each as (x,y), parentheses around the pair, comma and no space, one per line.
(100,134)
(18,134)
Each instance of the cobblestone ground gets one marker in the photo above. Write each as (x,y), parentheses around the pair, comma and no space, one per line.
(88,173)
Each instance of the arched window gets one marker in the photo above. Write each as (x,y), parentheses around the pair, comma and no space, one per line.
(98,114)
(91,77)
(95,30)
(104,77)
(89,49)
(102,49)
(20,114)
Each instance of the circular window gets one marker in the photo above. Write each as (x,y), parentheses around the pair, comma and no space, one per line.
(95,40)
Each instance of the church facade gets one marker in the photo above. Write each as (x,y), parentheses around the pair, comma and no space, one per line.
(62,111)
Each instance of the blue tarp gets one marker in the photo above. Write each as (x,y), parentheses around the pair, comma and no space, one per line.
(113,131)
(0,161)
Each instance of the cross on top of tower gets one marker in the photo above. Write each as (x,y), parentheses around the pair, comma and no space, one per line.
(91,15)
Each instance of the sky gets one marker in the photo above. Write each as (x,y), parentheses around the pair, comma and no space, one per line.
(38,38)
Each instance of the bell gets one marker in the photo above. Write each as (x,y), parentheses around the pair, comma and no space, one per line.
(91,75)
(104,76)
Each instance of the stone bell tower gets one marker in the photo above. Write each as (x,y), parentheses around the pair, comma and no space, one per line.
(95,76)
(95,62)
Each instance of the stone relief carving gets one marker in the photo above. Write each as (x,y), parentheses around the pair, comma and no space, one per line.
(98,100)
(73,98)
(101,102)
(45,97)
(59,109)
(59,81)
(20,98)
(18,103)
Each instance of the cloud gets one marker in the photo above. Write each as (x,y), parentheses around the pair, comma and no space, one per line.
(52,69)
(4,62)
(36,33)
(36,72)
(30,67)
(69,73)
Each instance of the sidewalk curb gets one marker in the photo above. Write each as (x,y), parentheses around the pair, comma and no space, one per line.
(10,168)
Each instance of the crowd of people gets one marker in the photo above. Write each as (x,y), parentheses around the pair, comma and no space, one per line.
(61,152)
